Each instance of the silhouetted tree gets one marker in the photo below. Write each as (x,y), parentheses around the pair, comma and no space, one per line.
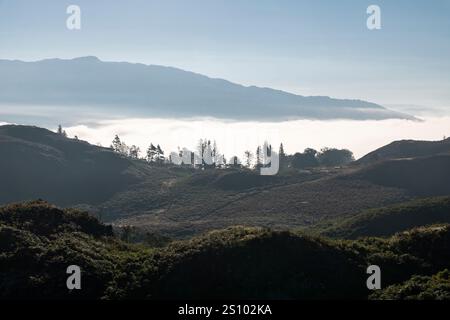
(307,159)
(134,152)
(258,158)
(159,154)
(116,144)
(334,157)
(151,153)
(282,156)
(61,132)
(215,155)
(235,162)
(281,151)
(120,146)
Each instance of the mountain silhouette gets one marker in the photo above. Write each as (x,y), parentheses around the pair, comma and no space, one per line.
(158,91)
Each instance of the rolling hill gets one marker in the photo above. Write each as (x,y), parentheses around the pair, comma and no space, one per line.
(288,202)
(180,202)
(406,149)
(38,241)
(156,91)
(420,176)
(37,163)
(386,221)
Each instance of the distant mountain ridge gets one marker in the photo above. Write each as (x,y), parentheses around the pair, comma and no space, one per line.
(150,90)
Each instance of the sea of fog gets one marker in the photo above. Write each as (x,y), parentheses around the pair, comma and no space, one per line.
(232,138)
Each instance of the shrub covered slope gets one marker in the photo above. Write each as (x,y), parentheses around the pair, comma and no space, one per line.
(39,241)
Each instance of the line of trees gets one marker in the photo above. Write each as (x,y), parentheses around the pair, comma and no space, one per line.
(153,154)
(207,155)
(327,157)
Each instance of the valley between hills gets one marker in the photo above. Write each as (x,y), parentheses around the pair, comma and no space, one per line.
(66,201)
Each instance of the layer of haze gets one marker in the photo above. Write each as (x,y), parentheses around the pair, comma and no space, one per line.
(233,138)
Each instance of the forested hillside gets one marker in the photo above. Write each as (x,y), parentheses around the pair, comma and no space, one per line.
(38,241)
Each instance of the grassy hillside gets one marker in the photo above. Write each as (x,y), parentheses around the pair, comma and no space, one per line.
(182,202)
(38,242)
(389,220)
(424,176)
(38,163)
(184,208)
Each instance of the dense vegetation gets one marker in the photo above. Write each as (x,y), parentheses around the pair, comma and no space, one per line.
(39,241)
(435,287)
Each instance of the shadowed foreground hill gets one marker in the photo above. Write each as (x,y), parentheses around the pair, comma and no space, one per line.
(39,241)
(38,163)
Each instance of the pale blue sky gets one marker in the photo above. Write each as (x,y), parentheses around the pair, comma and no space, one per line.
(317,47)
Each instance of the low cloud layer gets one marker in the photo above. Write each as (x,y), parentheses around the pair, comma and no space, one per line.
(233,138)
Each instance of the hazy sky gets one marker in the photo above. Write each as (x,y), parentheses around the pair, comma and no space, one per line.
(320,47)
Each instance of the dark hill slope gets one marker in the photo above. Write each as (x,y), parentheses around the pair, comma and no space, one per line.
(39,241)
(38,163)
(390,220)
(435,287)
(422,176)
(406,149)
(37,244)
